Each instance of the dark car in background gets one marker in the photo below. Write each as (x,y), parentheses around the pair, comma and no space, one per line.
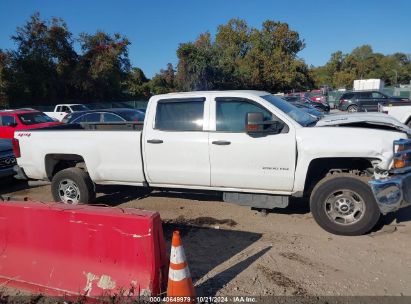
(304,106)
(365,101)
(7,158)
(320,106)
(106,116)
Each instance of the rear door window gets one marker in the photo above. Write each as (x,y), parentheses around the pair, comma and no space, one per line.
(180,114)
(348,96)
(92,117)
(377,95)
(109,117)
(364,95)
(6,120)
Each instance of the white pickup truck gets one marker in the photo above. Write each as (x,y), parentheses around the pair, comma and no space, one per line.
(401,111)
(254,147)
(61,110)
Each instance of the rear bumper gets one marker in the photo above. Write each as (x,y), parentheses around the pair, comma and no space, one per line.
(19,173)
(392,193)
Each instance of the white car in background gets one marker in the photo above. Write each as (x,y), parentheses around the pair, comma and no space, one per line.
(400,111)
(62,110)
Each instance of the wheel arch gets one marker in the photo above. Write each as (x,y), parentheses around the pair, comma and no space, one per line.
(54,163)
(318,168)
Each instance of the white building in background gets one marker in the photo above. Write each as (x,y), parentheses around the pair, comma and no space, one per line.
(368,84)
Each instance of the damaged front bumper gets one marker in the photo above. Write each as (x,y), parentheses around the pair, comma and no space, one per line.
(392,193)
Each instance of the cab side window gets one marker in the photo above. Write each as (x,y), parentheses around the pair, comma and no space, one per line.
(231,113)
(65,109)
(180,115)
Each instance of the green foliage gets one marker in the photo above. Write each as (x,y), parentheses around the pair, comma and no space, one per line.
(104,66)
(362,63)
(45,68)
(241,57)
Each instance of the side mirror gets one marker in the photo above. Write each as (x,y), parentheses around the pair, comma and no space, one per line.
(255,124)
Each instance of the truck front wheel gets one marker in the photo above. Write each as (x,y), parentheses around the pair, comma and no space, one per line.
(72,186)
(344,204)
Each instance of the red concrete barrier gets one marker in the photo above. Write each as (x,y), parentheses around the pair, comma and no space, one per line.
(60,249)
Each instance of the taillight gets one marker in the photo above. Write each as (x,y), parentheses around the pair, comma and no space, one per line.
(16,147)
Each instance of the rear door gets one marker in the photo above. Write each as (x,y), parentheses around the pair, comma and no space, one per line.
(242,161)
(365,101)
(175,144)
(378,99)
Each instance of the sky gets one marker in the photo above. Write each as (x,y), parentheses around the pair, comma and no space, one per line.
(156,28)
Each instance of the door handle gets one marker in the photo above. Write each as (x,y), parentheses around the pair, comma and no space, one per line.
(155,141)
(221,142)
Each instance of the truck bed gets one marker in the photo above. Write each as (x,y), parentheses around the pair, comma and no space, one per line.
(117,161)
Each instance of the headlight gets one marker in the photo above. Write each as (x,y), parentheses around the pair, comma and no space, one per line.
(402,154)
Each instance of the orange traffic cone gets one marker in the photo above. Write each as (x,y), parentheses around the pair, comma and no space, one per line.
(179,278)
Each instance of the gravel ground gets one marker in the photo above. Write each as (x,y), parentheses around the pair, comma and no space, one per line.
(234,250)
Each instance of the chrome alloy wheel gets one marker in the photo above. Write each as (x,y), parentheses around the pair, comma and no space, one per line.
(345,207)
(69,192)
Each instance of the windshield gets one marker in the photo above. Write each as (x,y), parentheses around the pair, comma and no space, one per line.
(78,108)
(295,113)
(34,118)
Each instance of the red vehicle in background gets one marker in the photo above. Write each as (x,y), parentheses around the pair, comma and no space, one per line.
(24,119)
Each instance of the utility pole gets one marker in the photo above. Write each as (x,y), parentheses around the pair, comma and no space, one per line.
(396,77)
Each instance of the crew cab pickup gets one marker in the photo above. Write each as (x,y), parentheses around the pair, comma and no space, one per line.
(255,148)
(401,111)
(62,110)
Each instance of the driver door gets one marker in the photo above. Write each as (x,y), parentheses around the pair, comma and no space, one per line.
(240,160)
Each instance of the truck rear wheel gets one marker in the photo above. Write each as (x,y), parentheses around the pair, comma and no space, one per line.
(72,186)
(344,204)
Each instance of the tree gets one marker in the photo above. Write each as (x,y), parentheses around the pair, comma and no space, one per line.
(342,69)
(163,82)
(3,79)
(196,66)
(137,84)
(104,66)
(241,57)
(42,63)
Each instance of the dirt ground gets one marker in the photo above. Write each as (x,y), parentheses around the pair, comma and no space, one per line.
(233,250)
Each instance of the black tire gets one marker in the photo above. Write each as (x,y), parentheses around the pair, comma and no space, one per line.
(81,179)
(320,198)
(352,109)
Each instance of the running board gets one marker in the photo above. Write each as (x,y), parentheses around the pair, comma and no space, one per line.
(263,201)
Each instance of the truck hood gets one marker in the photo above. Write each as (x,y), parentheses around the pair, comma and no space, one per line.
(366,119)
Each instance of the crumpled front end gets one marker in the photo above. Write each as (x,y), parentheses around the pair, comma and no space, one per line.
(394,191)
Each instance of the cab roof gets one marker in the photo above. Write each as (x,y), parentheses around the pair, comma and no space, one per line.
(18,111)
